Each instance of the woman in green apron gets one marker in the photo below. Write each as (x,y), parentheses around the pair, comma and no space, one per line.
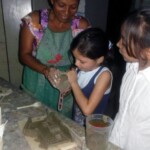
(45,39)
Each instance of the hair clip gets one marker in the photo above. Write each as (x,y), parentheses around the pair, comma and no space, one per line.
(110,45)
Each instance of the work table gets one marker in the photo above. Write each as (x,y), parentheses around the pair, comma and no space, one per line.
(14,138)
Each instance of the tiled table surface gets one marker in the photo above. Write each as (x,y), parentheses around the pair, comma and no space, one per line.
(13,138)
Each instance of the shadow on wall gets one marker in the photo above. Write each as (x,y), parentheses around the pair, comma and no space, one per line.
(117,12)
(118,71)
(96,12)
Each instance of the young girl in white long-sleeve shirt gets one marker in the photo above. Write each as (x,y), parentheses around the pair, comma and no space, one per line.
(131,129)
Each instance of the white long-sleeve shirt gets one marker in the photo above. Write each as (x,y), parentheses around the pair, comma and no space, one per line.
(131,129)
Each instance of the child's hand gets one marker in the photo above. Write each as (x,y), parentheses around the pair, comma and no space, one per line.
(72,76)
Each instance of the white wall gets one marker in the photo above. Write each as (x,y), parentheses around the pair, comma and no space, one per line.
(3,54)
(13,11)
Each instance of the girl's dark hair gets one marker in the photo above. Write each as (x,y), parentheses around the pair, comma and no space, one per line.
(136,31)
(93,43)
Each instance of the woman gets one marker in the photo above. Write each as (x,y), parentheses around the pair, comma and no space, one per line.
(45,38)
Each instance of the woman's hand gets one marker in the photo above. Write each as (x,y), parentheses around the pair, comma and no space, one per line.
(53,76)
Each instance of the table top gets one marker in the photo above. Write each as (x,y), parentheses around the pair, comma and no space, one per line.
(14,138)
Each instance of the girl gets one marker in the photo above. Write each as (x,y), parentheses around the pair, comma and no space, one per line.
(131,129)
(92,84)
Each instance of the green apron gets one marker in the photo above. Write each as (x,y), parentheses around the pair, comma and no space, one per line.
(51,45)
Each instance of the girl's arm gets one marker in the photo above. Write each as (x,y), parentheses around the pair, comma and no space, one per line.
(89,105)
